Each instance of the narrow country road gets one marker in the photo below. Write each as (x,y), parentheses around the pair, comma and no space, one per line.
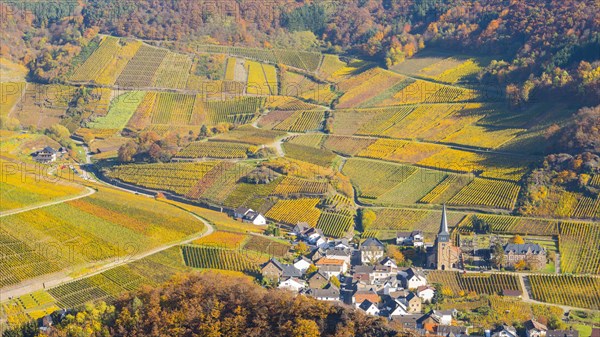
(55,279)
(89,191)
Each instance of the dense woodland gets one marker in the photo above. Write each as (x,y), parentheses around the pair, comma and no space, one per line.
(218,305)
(540,48)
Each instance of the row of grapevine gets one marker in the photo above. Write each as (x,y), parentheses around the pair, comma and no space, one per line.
(173,71)
(211,149)
(295,210)
(488,193)
(334,224)
(302,121)
(431,197)
(480,283)
(587,208)
(235,111)
(95,64)
(175,177)
(142,70)
(578,246)
(373,178)
(217,258)
(267,246)
(308,61)
(292,185)
(173,109)
(571,290)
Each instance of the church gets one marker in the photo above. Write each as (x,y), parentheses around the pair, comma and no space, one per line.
(444,255)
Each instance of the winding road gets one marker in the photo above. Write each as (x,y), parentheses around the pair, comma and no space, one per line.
(55,279)
(89,192)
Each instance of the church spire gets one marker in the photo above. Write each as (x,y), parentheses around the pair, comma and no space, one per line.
(444,235)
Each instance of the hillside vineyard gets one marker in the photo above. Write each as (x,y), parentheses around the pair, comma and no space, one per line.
(355,168)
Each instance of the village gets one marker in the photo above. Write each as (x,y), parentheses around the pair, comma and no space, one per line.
(366,277)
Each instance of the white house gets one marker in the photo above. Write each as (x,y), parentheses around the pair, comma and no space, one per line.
(413,278)
(250,216)
(369,307)
(426,293)
(255,218)
(414,238)
(389,262)
(302,264)
(371,251)
(398,309)
(294,284)
(444,317)
(506,331)
(314,236)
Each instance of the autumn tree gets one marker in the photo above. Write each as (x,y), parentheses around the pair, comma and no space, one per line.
(367,218)
(498,257)
(395,253)
(517,239)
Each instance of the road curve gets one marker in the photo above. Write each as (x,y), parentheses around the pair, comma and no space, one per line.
(89,192)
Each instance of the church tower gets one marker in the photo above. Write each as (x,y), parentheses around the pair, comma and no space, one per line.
(444,259)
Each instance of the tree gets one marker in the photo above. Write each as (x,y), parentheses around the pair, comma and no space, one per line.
(521,265)
(301,248)
(517,239)
(311,269)
(58,132)
(480,226)
(204,132)
(127,151)
(305,328)
(395,253)
(498,257)
(335,281)
(367,218)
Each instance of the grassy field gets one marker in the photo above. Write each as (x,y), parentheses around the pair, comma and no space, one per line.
(120,111)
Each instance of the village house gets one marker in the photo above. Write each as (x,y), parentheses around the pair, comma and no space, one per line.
(452,331)
(426,293)
(533,254)
(45,155)
(330,293)
(369,308)
(437,317)
(275,270)
(371,251)
(389,285)
(413,278)
(506,331)
(302,263)
(534,328)
(293,284)
(331,267)
(342,254)
(406,321)
(300,228)
(412,303)
(389,262)
(249,216)
(318,280)
(362,295)
(414,239)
